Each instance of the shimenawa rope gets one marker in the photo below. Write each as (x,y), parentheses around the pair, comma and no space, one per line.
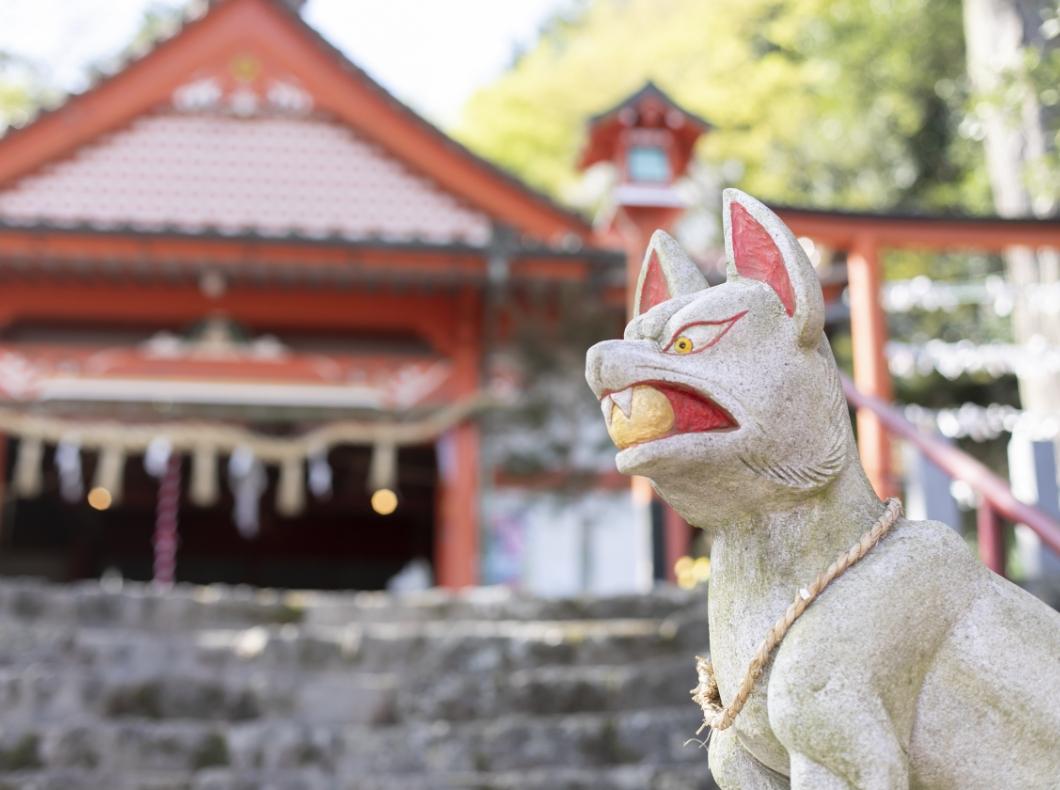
(706,694)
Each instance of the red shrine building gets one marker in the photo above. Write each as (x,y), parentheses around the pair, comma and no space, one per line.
(255,312)
(240,246)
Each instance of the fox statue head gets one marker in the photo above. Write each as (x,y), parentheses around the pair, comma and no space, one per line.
(727,395)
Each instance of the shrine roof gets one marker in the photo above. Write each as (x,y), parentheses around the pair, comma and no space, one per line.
(649,107)
(270,175)
(246,120)
(649,91)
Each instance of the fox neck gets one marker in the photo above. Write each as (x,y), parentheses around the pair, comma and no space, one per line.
(770,555)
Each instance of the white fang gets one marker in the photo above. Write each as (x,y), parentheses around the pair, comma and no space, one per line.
(624,400)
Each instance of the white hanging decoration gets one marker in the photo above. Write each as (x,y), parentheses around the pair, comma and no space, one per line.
(982,423)
(156,456)
(923,293)
(68,462)
(320,476)
(29,476)
(382,472)
(247,479)
(290,493)
(1032,359)
(110,471)
(204,489)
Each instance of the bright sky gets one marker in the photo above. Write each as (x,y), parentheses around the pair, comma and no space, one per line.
(432,54)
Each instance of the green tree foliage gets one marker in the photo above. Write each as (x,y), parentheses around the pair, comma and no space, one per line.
(25,87)
(833,103)
(22,91)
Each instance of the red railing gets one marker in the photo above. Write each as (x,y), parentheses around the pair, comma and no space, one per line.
(996,499)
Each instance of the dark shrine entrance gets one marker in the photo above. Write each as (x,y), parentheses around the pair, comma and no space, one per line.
(336,543)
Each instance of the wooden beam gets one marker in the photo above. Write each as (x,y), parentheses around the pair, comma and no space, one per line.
(842,230)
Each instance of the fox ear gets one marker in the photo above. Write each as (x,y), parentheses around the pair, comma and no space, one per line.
(761,247)
(667,272)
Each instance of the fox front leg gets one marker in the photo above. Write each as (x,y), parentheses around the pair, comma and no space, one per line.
(840,741)
(809,775)
(735,768)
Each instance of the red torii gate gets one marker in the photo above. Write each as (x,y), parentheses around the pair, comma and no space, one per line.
(863,237)
(650,139)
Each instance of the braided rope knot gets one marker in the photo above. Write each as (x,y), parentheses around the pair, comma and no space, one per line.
(717,716)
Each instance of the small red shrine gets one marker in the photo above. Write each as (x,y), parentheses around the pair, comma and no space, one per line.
(242,246)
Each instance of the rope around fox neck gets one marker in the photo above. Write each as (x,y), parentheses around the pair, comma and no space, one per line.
(706,694)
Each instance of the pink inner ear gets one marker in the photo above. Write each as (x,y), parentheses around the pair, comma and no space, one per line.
(756,256)
(655,289)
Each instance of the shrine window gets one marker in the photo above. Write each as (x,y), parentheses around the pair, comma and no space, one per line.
(648,163)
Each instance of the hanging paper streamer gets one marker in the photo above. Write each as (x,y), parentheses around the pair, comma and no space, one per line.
(247,479)
(320,473)
(1032,359)
(156,456)
(110,471)
(290,494)
(204,488)
(68,462)
(983,423)
(29,475)
(923,293)
(383,470)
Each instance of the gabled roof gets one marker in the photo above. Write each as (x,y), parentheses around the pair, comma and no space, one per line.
(247,120)
(649,104)
(649,91)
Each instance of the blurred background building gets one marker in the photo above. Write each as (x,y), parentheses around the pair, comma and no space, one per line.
(263,323)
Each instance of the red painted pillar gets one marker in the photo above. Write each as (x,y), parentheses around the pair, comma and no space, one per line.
(678,541)
(457,533)
(457,527)
(868,334)
(991,538)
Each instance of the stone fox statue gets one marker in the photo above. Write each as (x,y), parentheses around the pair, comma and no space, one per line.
(918,667)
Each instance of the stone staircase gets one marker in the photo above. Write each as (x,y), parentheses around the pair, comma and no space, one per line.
(217,688)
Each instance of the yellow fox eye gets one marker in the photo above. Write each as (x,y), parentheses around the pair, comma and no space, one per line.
(682,345)
(700,335)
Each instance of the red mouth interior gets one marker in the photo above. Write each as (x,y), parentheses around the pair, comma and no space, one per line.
(694,413)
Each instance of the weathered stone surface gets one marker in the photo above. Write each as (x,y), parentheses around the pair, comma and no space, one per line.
(483,690)
(646,777)
(917,667)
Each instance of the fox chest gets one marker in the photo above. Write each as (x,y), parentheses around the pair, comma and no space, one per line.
(736,630)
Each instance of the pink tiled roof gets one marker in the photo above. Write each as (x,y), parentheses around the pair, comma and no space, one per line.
(270,174)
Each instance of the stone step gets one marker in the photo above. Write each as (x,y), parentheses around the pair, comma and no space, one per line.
(544,691)
(442,647)
(38,693)
(134,605)
(504,745)
(639,777)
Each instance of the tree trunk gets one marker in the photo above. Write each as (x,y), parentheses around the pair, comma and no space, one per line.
(1018,137)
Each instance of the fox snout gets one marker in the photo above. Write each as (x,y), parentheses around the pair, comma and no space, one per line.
(601,371)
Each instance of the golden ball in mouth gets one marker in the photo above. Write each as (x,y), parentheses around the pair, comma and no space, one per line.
(650,417)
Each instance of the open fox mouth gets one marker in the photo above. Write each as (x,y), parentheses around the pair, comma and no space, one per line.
(650,410)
